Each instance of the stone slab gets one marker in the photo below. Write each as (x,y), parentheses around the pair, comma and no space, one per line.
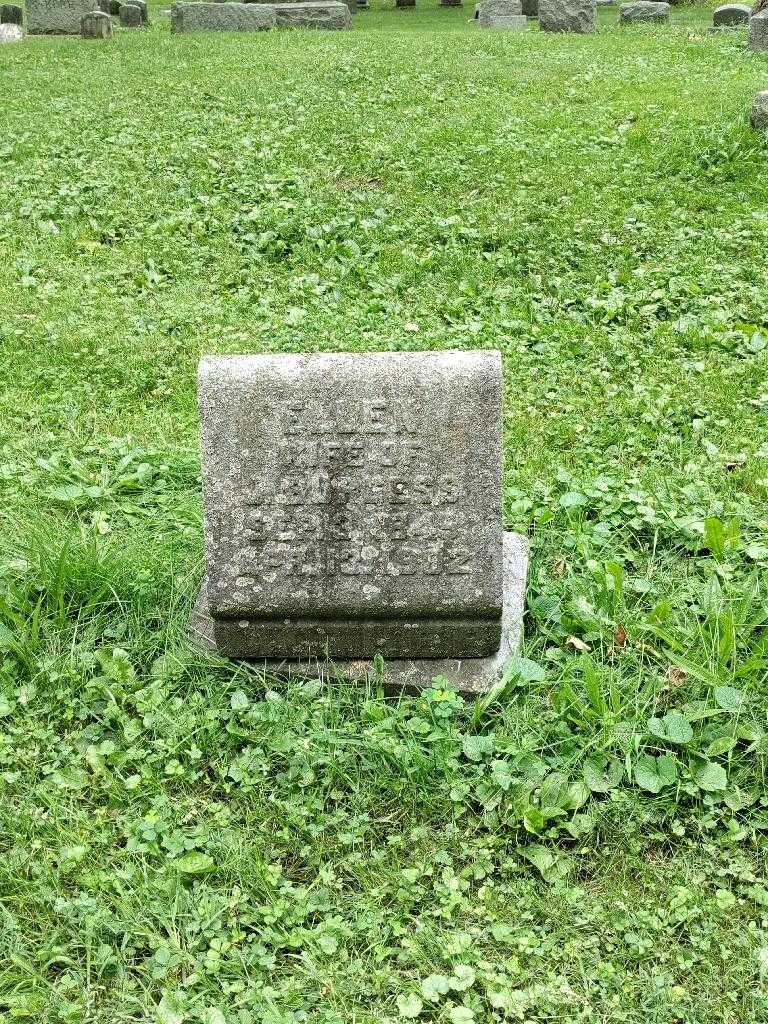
(131,16)
(568,16)
(471,676)
(501,14)
(221,17)
(758,31)
(730,15)
(504,22)
(11,33)
(759,116)
(96,25)
(11,14)
(56,17)
(353,502)
(643,11)
(320,15)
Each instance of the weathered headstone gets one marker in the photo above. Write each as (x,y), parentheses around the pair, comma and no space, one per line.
(353,509)
(567,16)
(56,17)
(502,14)
(222,17)
(758,31)
(142,5)
(759,115)
(643,11)
(11,33)
(130,16)
(96,25)
(11,14)
(323,14)
(730,14)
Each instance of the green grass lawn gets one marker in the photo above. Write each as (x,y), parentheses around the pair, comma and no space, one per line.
(187,842)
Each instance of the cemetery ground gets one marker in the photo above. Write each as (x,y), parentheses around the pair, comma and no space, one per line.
(185,841)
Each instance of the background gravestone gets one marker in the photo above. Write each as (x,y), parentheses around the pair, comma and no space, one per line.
(56,17)
(643,11)
(130,16)
(501,14)
(730,14)
(96,25)
(11,14)
(221,17)
(759,115)
(758,31)
(320,14)
(567,16)
(353,507)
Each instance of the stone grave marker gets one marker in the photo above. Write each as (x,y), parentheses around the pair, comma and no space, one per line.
(730,15)
(757,38)
(759,115)
(353,510)
(11,14)
(643,11)
(56,17)
(501,14)
(96,25)
(567,16)
(327,14)
(130,16)
(221,17)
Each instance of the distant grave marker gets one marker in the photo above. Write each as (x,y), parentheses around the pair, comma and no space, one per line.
(96,25)
(56,17)
(567,16)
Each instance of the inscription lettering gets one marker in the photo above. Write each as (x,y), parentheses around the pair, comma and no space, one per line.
(349,500)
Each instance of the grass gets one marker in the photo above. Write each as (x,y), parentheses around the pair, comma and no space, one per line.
(185,841)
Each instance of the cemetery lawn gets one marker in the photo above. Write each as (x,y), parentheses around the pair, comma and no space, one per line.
(182,840)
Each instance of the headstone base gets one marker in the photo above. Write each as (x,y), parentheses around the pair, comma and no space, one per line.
(469,675)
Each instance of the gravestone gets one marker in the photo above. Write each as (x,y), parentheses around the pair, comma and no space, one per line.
(758,31)
(142,5)
(730,14)
(643,11)
(322,14)
(11,14)
(56,17)
(567,16)
(11,33)
(501,14)
(353,509)
(96,25)
(759,115)
(221,17)
(130,16)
